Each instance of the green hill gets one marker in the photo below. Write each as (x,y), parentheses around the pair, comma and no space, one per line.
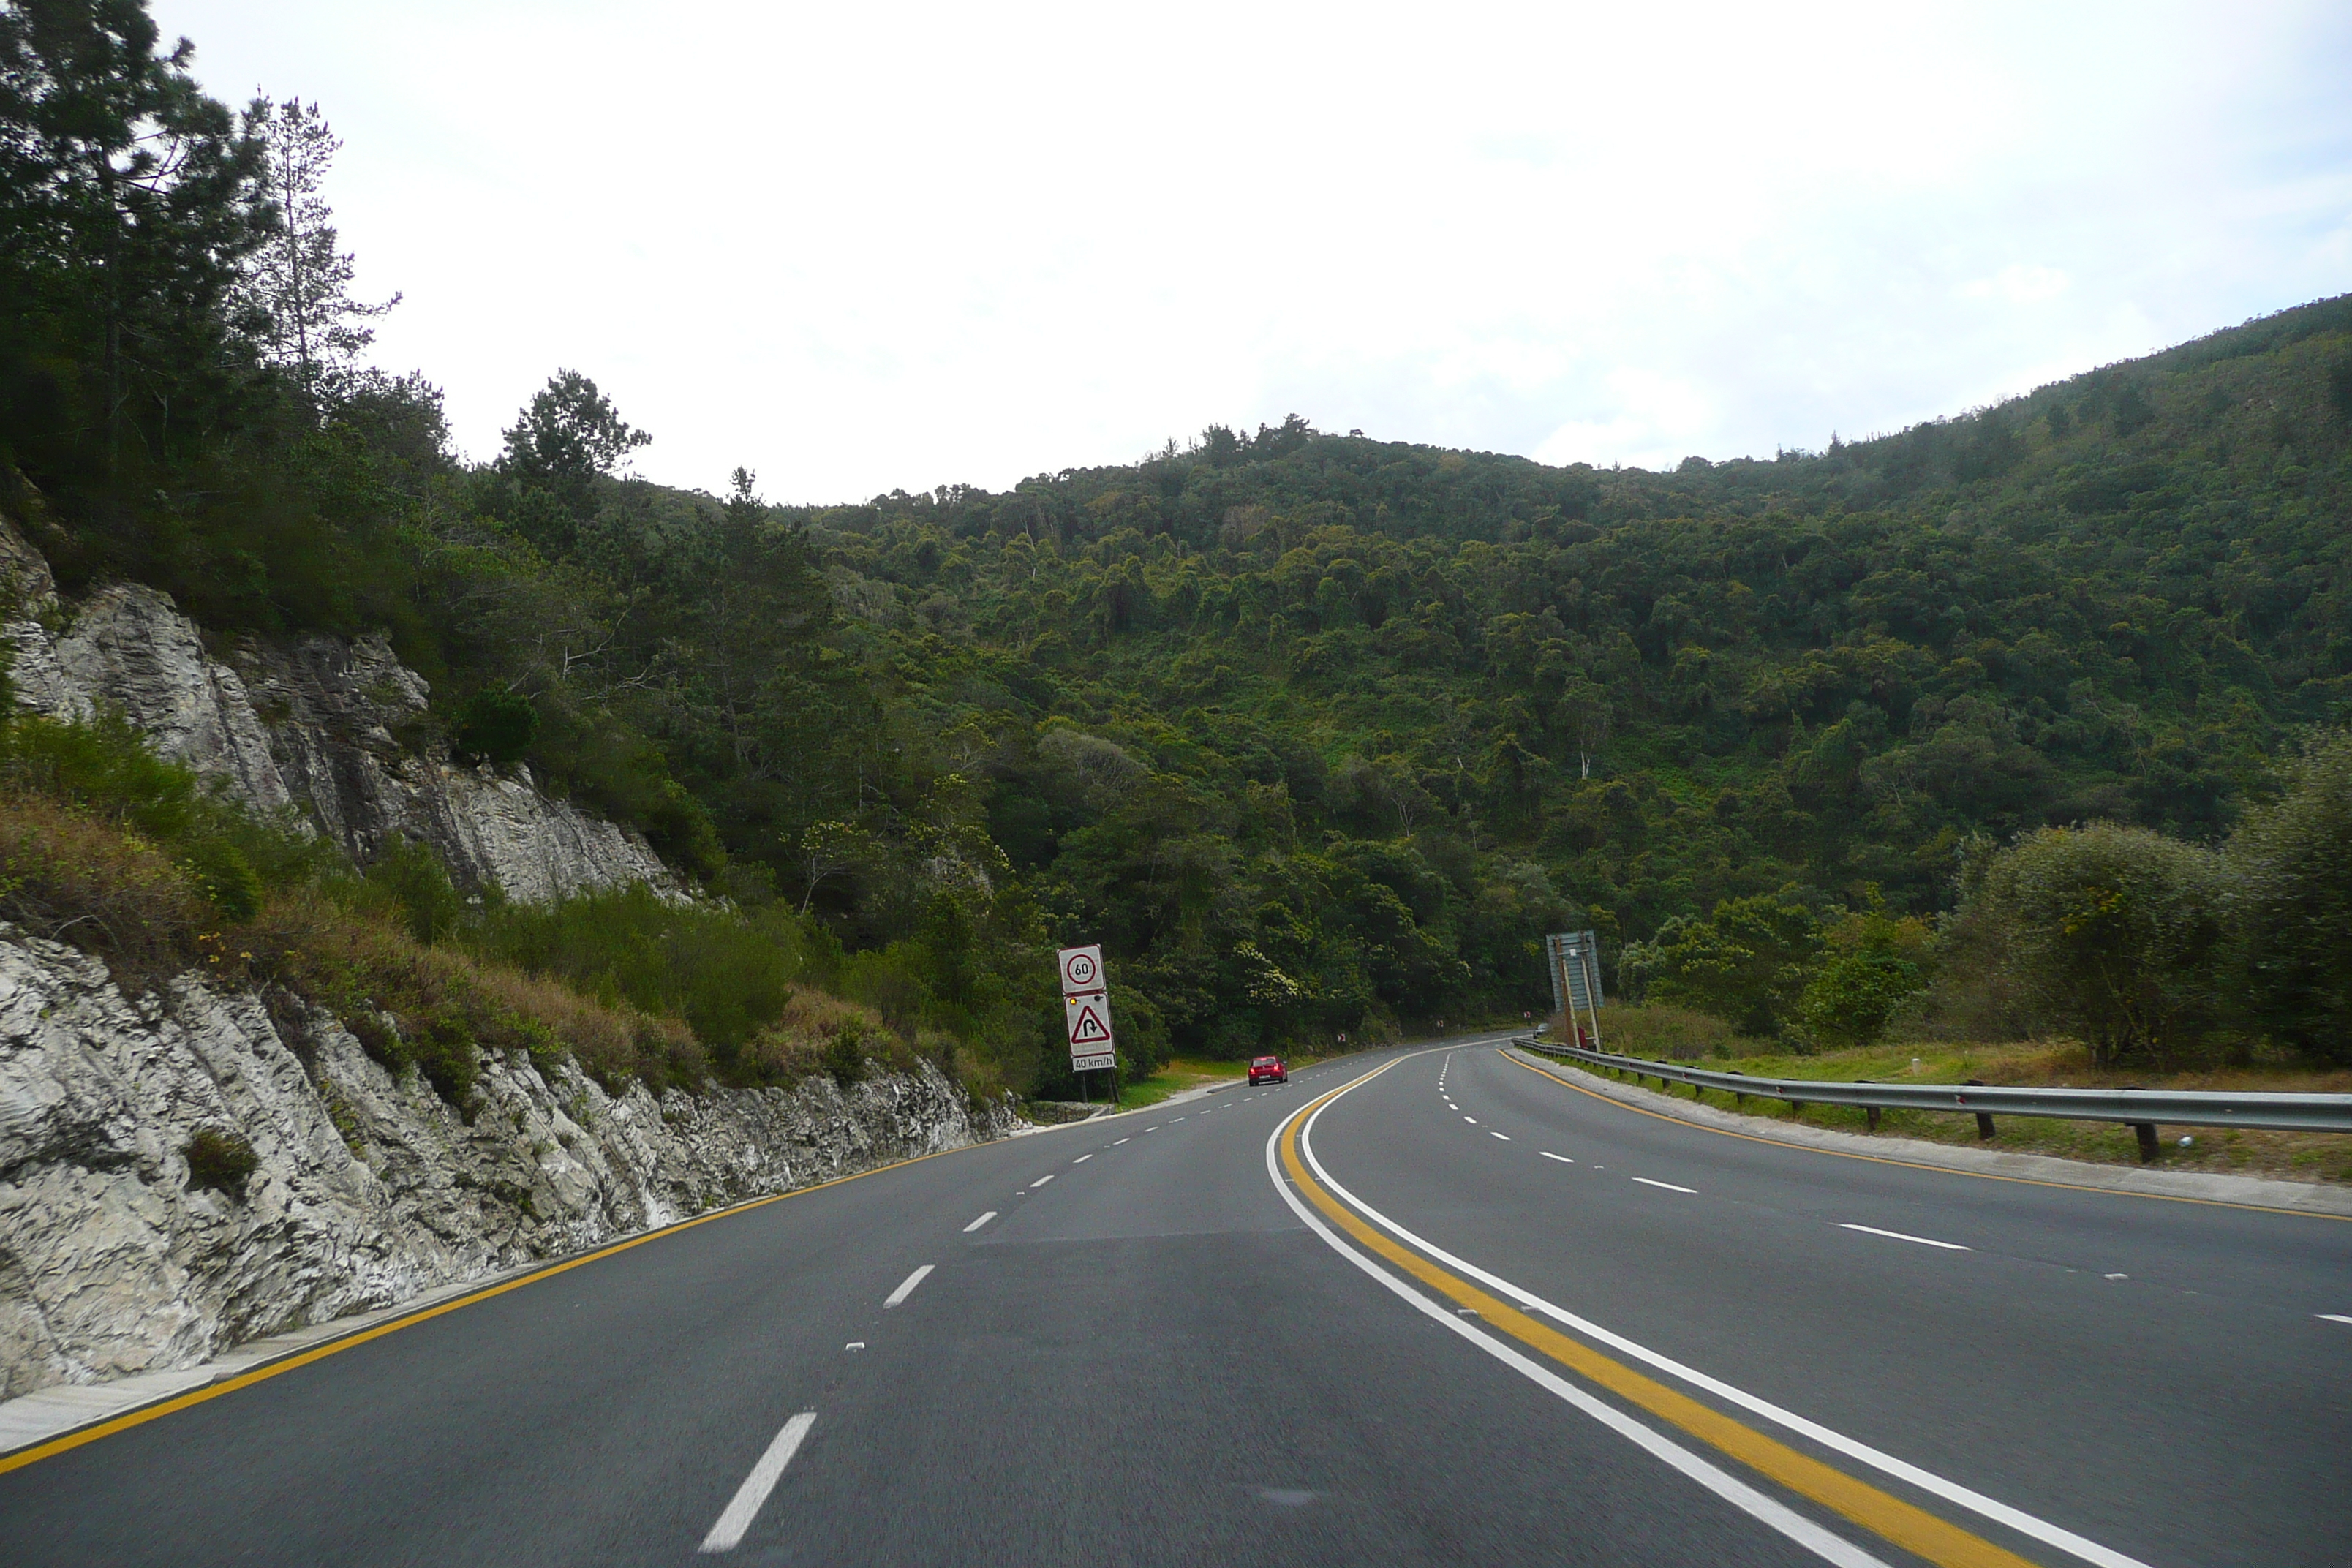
(1382,712)
(1317,733)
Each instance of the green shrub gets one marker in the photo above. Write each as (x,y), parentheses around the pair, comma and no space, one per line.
(220,1161)
(496,725)
(727,974)
(106,768)
(411,885)
(226,878)
(1850,998)
(1874,968)
(1747,962)
(2113,932)
(2295,921)
(845,1058)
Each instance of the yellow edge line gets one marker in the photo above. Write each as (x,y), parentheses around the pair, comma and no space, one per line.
(1917,1164)
(1913,1529)
(19,1460)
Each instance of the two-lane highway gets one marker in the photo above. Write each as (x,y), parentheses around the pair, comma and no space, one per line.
(1296,1325)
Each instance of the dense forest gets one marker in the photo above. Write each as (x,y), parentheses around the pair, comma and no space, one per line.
(1317,733)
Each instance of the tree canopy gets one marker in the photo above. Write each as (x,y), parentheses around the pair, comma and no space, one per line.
(1317,733)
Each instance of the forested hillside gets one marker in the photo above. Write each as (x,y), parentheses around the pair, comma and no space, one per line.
(1317,733)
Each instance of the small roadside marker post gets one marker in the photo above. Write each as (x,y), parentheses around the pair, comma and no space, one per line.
(1086,1016)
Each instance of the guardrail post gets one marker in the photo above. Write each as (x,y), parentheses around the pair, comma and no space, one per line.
(1984,1122)
(2146,1130)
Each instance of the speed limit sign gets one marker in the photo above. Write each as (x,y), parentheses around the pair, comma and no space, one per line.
(1082,970)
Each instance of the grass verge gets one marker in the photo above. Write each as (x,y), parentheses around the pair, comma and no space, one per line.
(2295,1156)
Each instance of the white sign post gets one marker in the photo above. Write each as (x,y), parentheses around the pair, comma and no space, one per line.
(1086,1010)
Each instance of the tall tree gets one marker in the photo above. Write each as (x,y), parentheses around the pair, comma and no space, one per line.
(128,200)
(297,285)
(568,436)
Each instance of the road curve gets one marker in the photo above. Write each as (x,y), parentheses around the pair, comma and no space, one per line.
(1424,1306)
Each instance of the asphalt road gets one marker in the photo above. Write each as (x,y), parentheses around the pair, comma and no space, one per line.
(1462,1312)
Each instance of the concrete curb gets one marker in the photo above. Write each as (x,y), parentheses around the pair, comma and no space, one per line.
(52,1412)
(32,1419)
(2249,1192)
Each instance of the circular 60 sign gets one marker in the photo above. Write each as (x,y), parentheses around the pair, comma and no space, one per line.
(1082,969)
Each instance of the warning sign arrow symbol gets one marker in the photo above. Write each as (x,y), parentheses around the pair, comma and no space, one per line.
(1089,1029)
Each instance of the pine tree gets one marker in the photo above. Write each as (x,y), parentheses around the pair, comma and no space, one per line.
(297,291)
(128,200)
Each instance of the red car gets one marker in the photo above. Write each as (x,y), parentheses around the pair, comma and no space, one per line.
(1267,1069)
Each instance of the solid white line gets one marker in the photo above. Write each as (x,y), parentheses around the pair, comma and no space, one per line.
(745,1508)
(2335,1317)
(1668,1186)
(907,1286)
(1731,1489)
(1504,1136)
(2016,1518)
(980,1221)
(1561,1158)
(1082,1159)
(1043,1180)
(1898,1236)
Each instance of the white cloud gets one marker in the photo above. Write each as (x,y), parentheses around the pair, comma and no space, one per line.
(865,247)
(1656,423)
(2018,284)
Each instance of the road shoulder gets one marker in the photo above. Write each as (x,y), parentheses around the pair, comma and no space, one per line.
(2248,1192)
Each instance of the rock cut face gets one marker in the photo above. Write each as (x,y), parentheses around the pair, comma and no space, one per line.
(337,731)
(364,1188)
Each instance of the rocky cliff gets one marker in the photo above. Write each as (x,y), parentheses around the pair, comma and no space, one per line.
(115,1257)
(334,729)
(194,1167)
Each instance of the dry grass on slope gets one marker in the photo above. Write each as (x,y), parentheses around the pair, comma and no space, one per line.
(72,876)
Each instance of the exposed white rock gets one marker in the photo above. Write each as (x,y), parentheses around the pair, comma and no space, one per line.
(322,724)
(369,1189)
(130,647)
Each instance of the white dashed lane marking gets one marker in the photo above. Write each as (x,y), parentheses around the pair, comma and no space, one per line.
(1504,1136)
(907,1286)
(1898,1236)
(1668,1186)
(1561,1158)
(1049,1176)
(727,1533)
(980,1221)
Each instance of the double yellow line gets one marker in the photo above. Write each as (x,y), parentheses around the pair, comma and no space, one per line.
(1909,1527)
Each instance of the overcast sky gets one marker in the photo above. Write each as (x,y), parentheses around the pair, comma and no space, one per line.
(866,247)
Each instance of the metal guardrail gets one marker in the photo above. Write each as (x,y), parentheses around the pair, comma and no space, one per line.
(2139,1108)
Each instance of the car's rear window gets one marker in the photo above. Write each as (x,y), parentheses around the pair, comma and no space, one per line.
(1263,1062)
